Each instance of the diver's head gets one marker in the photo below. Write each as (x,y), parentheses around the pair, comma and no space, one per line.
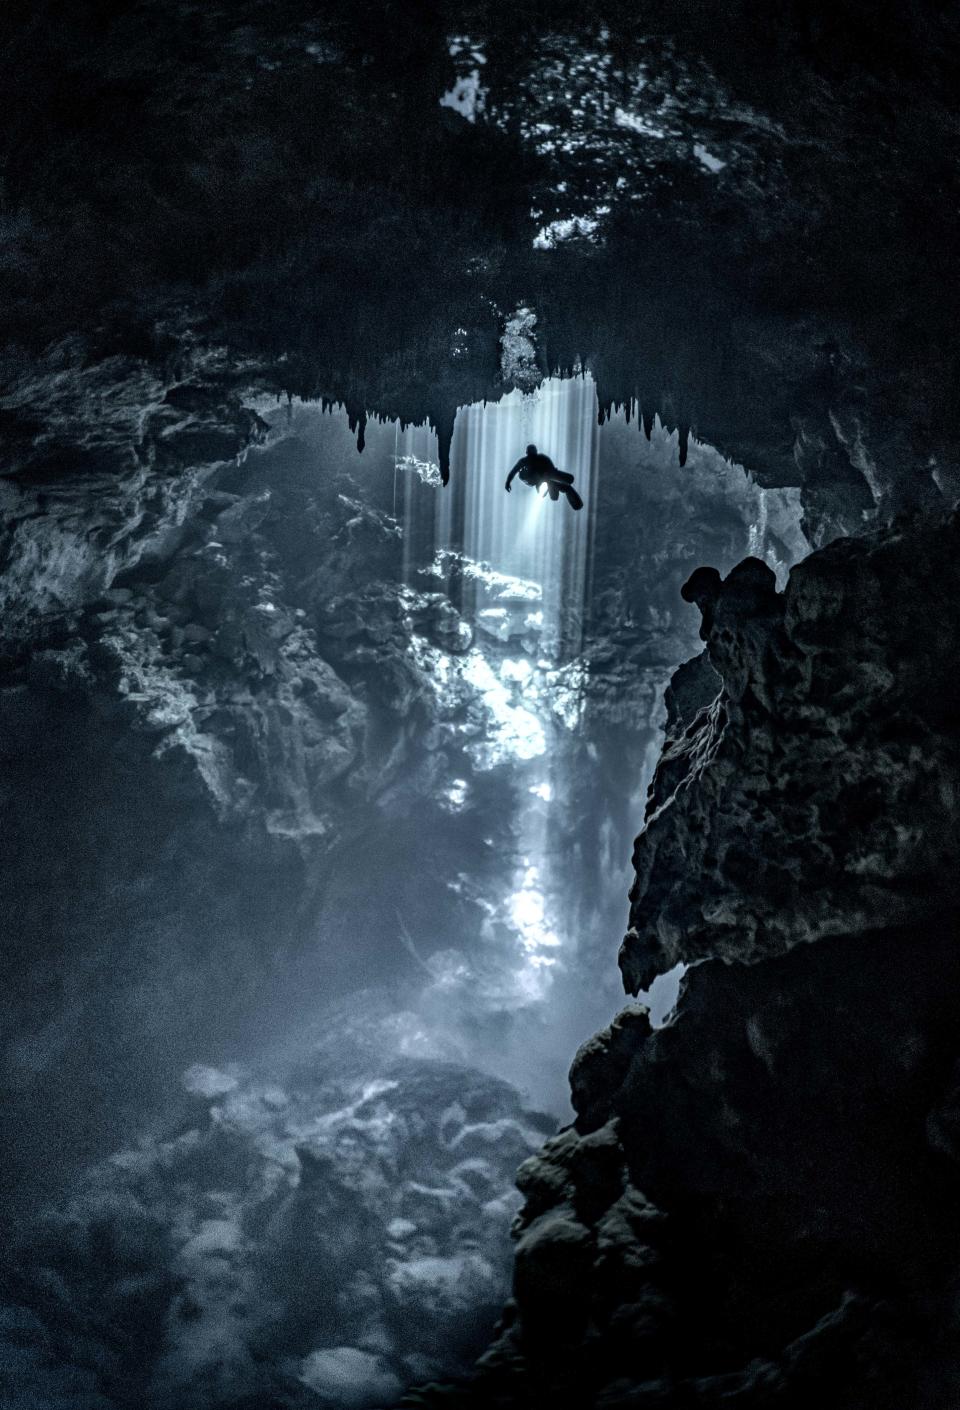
(531,450)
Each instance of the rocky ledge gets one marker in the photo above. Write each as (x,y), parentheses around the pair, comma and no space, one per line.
(758,1205)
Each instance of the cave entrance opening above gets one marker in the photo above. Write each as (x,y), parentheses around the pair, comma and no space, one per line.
(524,559)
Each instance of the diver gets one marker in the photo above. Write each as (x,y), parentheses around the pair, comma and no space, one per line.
(536,469)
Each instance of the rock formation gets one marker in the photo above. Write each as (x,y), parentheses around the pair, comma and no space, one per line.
(300,1235)
(758,1204)
(814,796)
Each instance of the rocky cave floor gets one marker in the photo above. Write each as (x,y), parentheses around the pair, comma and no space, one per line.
(245,751)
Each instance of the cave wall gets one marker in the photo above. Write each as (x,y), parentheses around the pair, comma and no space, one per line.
(208,695)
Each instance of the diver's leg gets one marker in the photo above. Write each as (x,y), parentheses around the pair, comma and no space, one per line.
(573,499)
(552,490)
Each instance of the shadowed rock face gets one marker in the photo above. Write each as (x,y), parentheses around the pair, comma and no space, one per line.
(301,1235)
(814,796)
(758,1204)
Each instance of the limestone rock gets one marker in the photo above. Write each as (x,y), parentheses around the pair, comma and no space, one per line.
(815,796)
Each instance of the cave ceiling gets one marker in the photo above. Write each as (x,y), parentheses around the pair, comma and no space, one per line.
(740,217)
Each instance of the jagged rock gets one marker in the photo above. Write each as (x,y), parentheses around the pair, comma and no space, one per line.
(692,688)
(814,797)
(90,494)
(327,1225)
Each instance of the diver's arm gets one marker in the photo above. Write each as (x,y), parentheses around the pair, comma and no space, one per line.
(515,471)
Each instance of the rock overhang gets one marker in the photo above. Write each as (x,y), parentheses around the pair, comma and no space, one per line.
(292,184)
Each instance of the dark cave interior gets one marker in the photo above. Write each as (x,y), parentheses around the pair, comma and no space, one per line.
(327,767)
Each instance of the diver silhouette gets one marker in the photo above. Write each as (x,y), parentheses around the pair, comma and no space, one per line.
(536,469)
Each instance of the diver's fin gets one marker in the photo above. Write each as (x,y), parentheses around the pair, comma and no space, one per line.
(573,499)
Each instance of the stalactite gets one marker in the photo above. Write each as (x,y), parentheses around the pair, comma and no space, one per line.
(357,421)
(683,431)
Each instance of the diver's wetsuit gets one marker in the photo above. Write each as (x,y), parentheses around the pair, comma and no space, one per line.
(536,469)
